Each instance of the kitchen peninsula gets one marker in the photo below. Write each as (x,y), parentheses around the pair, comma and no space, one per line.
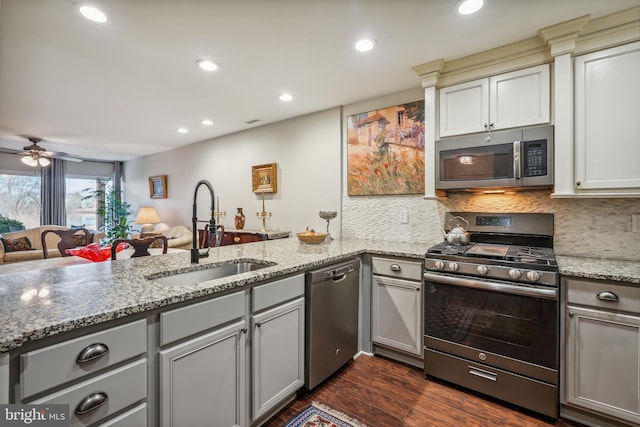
(44,310)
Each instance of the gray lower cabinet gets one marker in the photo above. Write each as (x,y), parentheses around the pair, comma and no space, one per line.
(136,417)
(4,378)
(101,396)
(277,347)
(397,305)
(202,381)
(99,375)
(602,351)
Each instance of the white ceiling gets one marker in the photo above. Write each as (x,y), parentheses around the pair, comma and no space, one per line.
(119,90)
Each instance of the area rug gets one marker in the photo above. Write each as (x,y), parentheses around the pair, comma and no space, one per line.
(319,415)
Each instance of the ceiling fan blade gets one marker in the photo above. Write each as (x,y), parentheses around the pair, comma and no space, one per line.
(37,151)
(9,150)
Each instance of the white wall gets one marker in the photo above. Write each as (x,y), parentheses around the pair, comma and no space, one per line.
(306,150)
(312,177)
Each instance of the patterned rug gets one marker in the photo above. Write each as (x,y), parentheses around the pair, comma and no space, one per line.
(319,415)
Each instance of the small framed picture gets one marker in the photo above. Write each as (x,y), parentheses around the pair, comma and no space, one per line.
(265,178)
(158,187)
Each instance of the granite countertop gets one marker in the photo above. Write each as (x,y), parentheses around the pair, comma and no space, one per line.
(598,268)
(39,299)
(39,302)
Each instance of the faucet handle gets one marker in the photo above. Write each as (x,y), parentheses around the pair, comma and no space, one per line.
(202,254)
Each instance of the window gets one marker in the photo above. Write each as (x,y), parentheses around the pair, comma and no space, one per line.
(20,192)
(20,198)
(81,211)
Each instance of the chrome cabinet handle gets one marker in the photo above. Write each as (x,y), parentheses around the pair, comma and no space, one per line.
(243,330)
(258,324)
(92,352)
(607,296)
(394,267)
(91,402)
(571,314)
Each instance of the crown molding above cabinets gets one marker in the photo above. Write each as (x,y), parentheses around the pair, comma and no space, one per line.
(576,36)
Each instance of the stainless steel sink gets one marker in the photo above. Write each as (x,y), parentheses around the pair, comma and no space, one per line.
(209,273)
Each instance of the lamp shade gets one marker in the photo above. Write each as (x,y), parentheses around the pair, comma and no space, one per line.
(147,215)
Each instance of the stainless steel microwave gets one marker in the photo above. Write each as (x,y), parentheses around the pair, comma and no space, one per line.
(508,159)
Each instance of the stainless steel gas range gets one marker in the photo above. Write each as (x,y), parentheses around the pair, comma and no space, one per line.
(491,309)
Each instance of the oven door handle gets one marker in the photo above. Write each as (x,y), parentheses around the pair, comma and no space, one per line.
(550,293)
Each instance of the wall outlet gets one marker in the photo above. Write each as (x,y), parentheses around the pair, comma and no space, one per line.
(404,216)
(635,223)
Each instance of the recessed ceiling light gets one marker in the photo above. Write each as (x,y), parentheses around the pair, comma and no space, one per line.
(182,130)
(207,65)
(285,97)
(207,122)
(91,12)
(365,45)
(467,7)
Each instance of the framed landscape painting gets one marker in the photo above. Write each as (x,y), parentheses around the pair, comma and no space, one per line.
(385,151)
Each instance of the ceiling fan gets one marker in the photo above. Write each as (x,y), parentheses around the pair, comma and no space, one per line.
(34,155)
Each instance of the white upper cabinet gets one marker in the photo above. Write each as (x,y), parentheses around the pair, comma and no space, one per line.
(607,125)
(518,98)
(464,108)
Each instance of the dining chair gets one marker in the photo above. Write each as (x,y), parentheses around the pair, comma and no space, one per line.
(207,238)
(69,239)
(140,246)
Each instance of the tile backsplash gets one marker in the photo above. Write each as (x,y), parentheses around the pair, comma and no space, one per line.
(599,228)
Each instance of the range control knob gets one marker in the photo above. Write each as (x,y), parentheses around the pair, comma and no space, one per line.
(482,269)
(453,266)
(439,265)
(533,276)
(515,273)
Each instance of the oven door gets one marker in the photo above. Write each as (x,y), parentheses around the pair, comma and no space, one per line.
(502,321)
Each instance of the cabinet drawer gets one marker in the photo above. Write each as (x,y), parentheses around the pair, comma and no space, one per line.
(268,295)
(411,270)
(54,365)
(136,417)
(189,320)
(600,294)
(122,387)
(240,238)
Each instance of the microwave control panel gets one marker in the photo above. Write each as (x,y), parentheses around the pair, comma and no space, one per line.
(535,158)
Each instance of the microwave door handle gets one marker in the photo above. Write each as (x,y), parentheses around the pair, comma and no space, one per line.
(517,169)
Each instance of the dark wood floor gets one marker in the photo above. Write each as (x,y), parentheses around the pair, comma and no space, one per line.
(383,393)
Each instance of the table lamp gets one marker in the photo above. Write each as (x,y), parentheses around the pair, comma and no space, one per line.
(147,217)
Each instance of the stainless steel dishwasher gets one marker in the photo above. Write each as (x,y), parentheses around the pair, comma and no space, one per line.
(331,319)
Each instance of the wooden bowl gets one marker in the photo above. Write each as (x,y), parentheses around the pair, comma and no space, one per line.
(311,237)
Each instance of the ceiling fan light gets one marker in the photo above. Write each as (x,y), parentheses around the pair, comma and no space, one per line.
(29,161)
(43,161)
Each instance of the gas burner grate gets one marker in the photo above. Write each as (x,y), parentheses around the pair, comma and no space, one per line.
(448,249)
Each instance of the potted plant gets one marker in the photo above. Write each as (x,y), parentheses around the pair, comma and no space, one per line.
(112,210)
(8,225)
